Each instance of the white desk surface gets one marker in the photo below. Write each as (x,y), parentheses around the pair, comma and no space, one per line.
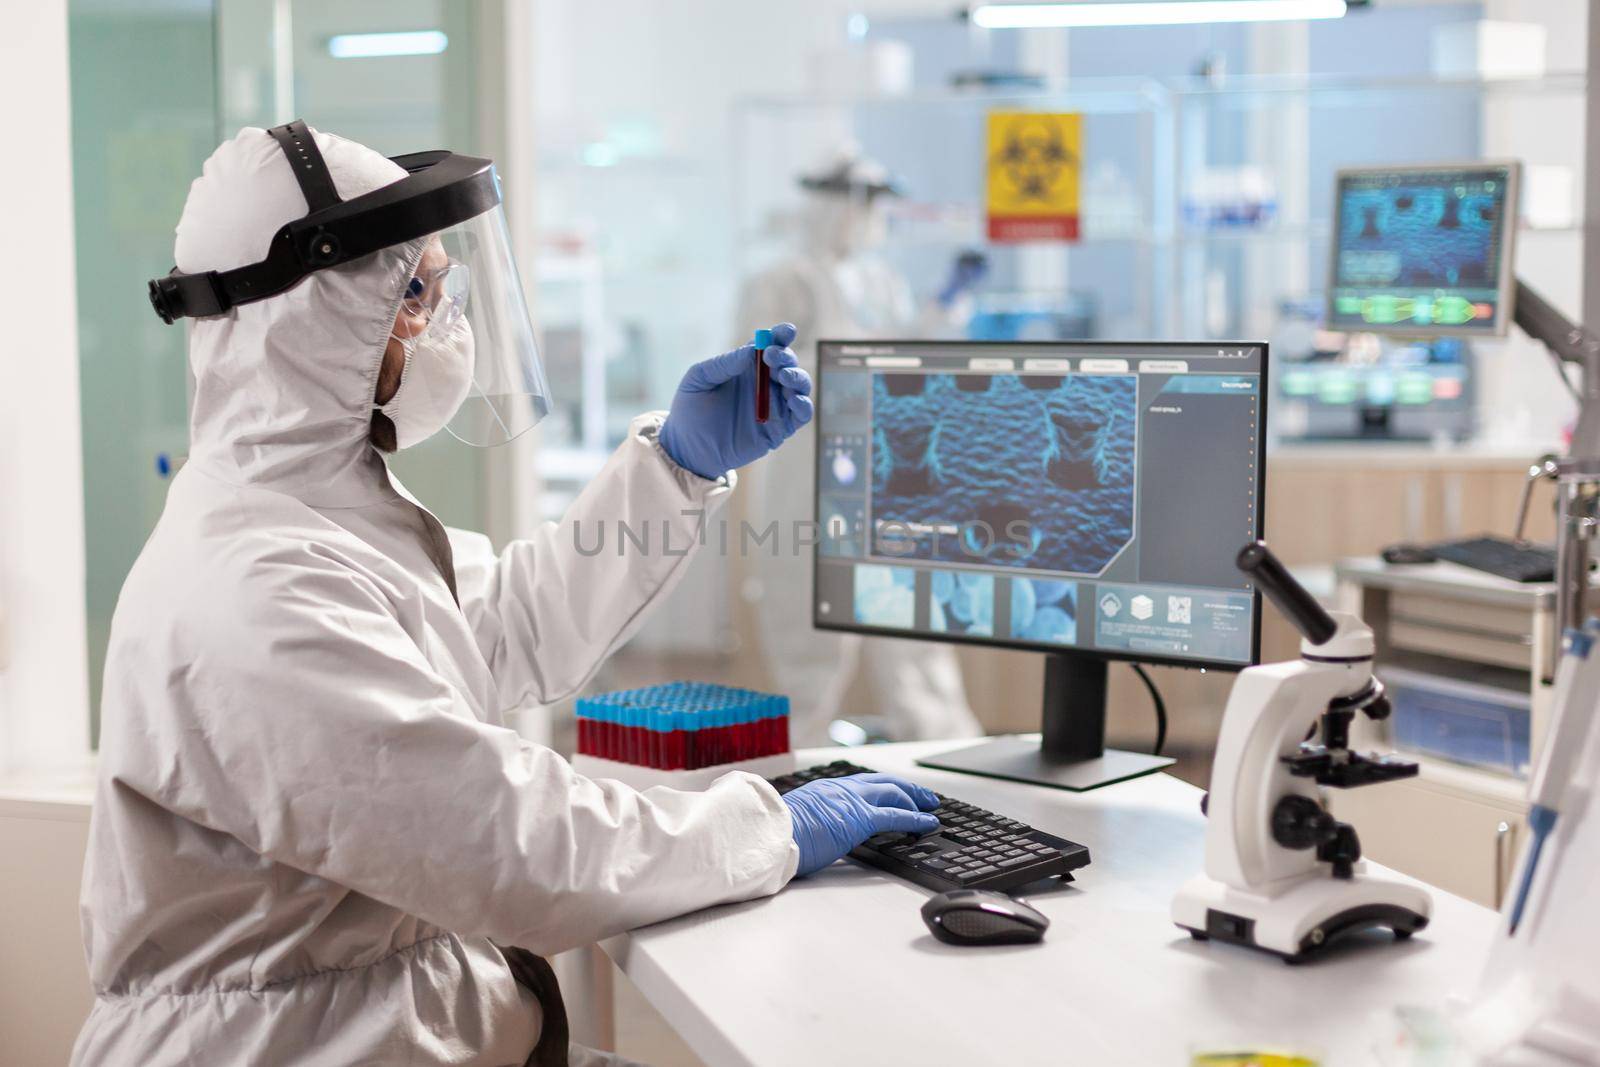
(838,967)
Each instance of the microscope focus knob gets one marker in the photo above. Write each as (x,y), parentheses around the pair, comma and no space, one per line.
(1379,709)
(1298,822)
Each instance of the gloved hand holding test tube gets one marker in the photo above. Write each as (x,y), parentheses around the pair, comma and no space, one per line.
(709,428)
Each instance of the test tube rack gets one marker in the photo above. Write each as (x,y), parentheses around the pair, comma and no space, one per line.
(691,732)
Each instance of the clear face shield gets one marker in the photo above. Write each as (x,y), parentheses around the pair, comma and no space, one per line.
(465,303)
(470,354)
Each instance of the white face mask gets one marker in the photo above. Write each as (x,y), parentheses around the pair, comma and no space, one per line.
(433,384)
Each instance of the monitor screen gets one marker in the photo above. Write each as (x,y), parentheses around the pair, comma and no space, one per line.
(1067,497)
(1423,250)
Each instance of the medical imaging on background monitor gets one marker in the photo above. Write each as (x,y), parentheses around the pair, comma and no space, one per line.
(1422,249)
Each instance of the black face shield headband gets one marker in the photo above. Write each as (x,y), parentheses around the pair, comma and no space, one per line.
(441,190)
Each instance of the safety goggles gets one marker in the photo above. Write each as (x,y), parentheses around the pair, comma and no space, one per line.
(438,297)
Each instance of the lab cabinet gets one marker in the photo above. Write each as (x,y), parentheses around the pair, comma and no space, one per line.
(1468,656)
(1330,502)
(1455,830)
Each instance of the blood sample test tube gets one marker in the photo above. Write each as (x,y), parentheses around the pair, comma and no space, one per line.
(763,340)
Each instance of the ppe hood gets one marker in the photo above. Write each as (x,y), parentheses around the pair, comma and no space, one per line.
(432,197)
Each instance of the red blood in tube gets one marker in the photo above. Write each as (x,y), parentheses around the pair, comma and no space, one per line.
(763,339)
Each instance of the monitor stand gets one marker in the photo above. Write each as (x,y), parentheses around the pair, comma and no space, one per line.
(1072,752)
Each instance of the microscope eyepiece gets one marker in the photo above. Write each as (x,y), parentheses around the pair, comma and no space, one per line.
(1274,579)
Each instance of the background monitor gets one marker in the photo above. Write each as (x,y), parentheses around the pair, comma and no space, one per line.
(1424,250)
(1082,499)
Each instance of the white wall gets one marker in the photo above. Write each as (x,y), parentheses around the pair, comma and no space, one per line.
(44,986)
(44,718)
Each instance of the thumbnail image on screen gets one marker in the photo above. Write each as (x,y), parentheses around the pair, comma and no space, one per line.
(885,596)
(1033,472)
(1423,250)
(1044,610)
(962,603)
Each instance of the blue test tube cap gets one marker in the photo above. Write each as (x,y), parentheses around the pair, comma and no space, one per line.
(683,706)
(763,340)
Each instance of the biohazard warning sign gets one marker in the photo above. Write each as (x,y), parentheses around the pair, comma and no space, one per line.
(1034,162)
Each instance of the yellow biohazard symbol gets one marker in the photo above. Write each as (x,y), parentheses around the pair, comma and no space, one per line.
(1034,157)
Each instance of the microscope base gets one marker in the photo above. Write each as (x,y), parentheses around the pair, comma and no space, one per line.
(1300,920)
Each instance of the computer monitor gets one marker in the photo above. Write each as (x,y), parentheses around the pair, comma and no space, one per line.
(1389,389)
(1081,499)
(1424,250)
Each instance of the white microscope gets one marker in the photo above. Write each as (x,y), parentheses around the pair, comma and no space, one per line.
(1281,873)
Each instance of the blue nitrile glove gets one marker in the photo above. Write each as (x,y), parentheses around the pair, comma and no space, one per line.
(711,427)
(831,816)
(967,270)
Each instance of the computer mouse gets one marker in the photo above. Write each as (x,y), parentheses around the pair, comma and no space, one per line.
(1406,553)
(980,917)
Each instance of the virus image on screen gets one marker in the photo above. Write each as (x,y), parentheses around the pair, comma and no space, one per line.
(1034,472)
(1421,248)
(1044,610)
(962,603)
(885,596)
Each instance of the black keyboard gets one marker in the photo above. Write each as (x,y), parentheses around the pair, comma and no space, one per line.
(972,849)
(1507,559)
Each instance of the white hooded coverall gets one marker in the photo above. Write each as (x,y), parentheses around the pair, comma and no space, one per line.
(312,828)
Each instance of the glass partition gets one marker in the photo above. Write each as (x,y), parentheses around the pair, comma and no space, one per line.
(143,120)
(278,61)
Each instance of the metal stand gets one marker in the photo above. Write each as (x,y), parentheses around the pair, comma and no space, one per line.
(1577,476)
(1072,752)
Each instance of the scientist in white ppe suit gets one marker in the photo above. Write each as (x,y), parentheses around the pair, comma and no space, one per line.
(313,839)
(838,286)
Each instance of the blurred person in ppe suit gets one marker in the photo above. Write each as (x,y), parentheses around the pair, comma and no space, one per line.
(314,840)
(838,286)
